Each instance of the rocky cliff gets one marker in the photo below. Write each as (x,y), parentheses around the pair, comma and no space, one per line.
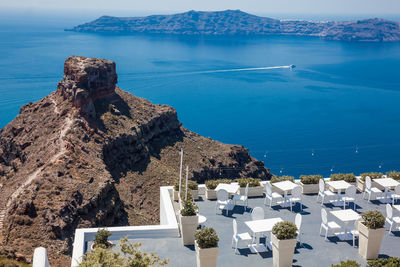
(91,154)
(236,22)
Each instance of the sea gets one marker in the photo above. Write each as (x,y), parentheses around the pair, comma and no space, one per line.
(337,111)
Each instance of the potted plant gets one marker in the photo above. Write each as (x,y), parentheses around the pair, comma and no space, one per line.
(101,239)
(283,239)
(211,185)
(361,179)
(276,179)
(310,183)
(371,234)
(206,245)
(255,188)
(189,221)
(348,263)
(393,174)
(194,187)
(390,262)
(347,177)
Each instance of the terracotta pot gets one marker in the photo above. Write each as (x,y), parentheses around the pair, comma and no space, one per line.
(206,257)
(189,226)
(282,251)
(310,188)
(257,191)
(211,194)
(370,241)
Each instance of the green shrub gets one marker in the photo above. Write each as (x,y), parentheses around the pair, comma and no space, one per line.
(253,182)
(348,263)
(285,230)
(276,179)
(193,185)
(384,262)
(310,179)
(207,238)
(372,175)
(131,256)
(189,208)
(212,184)
(4,262)
(189,194)
(373,219)
(101,238)
(348,177)
(393,174)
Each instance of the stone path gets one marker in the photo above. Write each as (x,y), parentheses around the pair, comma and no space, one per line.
(5,202)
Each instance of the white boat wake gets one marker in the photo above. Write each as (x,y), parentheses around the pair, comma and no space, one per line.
(243,69)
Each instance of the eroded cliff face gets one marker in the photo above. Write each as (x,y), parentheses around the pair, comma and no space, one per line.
(90,154)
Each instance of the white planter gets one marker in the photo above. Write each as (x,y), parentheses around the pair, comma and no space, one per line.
(360,185)
(257,191)
(310,188)
(189,226)
(211,194)
(370,241)
(206,257)
(282,251)
(195,194)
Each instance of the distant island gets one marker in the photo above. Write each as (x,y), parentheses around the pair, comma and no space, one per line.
(236,22)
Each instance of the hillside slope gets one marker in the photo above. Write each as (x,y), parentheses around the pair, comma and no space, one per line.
(91,154)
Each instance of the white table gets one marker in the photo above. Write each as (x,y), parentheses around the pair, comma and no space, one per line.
(387,183)
(285,186)
(231,188)
(338,186)
(258,227)
(397,207)
(201,220)
(345,216)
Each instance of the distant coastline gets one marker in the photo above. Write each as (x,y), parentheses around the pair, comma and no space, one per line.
(236,22)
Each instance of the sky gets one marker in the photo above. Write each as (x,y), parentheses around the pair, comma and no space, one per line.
(260,7)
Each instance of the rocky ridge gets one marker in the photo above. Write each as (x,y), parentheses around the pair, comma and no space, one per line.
(91,154)
(236,22)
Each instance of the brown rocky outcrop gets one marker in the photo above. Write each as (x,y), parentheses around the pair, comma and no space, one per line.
(91,154)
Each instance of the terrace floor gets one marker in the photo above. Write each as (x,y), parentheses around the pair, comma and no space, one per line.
(315,251)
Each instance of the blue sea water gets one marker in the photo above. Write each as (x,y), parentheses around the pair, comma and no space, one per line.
(337,111)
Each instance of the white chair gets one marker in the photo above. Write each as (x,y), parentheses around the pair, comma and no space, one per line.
(350,196)
(324,193)
(326,224)
(355,232)
(243,198)
(257,214)
(297,222)
(396,194)
(371,191)
(389,217)
(223,201)
(271,196)
(296,197)
(239,237)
